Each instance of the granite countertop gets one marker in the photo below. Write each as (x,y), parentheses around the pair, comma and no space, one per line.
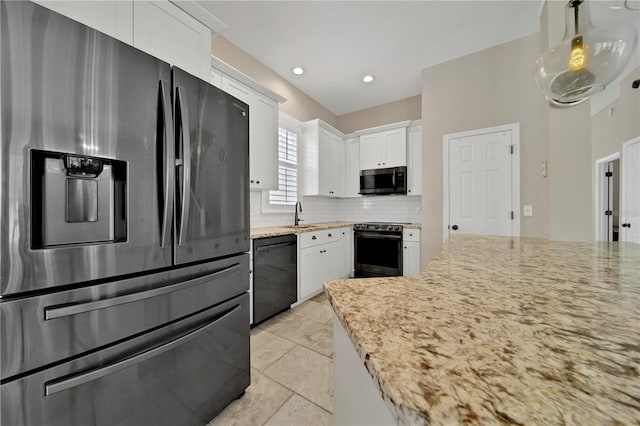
(501,330)
(274,231)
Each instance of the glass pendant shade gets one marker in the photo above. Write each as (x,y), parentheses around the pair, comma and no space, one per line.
(586,60)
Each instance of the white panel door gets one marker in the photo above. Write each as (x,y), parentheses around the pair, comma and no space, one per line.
(166,32)
(324,159)
(414,161)
(480,184)
(630,220)
(337,167)
(395,148)
(113,18)
(352,168)
(371,147)
(346,251)
(263,142)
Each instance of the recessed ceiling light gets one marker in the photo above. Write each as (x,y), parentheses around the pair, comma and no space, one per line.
(298,71)
(367,78)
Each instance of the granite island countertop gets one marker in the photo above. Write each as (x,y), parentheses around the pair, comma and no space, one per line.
(274,231)
(501,330)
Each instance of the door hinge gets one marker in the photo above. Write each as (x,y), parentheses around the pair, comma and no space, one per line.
(512,215)
(511,148)
(608,213)
(608,174)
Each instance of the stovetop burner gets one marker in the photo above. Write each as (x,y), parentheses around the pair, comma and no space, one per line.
(378,226)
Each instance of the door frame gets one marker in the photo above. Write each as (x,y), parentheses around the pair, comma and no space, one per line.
(601,198)
(624,180)
(514,128)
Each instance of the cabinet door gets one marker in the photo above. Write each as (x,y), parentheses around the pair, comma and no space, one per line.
(166,32)
(410,258)
(414,161)
(263,142)
(352,168)
(263,134)
(371,151)
(312,271)
(337,165)
(346,252)
(331,262)
(216,78)
(395,148)
(324,160)
(114,18)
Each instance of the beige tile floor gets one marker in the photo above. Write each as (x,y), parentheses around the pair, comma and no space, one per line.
(291,370)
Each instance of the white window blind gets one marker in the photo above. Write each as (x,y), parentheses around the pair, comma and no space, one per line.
(287,193)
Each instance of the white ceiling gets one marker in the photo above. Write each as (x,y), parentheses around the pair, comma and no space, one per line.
(338,42)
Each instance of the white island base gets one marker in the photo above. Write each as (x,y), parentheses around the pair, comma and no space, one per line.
(356,398)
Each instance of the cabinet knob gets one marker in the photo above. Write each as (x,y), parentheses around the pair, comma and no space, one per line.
(378,164)
(405,247)
(313,237)
(409,190)
(257,181)
(626,225)
(251,180)
(330,234)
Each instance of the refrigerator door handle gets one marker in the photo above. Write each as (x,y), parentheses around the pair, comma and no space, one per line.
(53,312)
(168,148)
(80,379)
(183,113)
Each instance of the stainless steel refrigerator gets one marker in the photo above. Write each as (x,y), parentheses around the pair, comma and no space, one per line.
(124,232)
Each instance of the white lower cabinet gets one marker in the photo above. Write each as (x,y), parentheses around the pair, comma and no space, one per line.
(411,252)
(346,252)
(319,260)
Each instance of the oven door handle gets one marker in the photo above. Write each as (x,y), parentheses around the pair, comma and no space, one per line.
(378,236)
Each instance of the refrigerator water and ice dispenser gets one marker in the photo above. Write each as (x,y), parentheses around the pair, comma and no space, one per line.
(79,199)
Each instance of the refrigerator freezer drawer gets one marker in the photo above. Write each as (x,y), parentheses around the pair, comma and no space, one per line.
(181,374)
(37,331)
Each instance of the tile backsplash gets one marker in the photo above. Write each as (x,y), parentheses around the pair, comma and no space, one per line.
(392,208)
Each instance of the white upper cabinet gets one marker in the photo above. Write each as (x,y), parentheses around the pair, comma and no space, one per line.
(352,168)
(414,160)
(114,18)
(166,32)
(323,152)
(263,133)
(385,148)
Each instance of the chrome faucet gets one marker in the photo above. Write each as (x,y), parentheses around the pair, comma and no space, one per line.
(296,218)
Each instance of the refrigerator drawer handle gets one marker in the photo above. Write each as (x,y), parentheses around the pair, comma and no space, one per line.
(80,379)
(181,106)
(168,154)
(272,246)
(53,312)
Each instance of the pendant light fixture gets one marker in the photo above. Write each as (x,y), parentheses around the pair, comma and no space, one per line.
(586,60)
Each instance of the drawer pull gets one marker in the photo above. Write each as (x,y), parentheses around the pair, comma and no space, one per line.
(80,379)
(52,312)
(313,237)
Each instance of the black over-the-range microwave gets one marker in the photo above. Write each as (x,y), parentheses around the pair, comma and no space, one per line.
(392,180)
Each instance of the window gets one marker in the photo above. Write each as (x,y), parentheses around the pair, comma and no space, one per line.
(287,194)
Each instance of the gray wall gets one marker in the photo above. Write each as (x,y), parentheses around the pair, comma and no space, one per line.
(484,89)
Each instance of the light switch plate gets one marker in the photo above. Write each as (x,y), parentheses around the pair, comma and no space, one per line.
(528,210)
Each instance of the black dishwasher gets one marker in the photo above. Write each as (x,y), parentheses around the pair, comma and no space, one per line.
(275,275)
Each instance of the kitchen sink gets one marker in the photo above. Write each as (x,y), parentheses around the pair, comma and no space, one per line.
(299,226)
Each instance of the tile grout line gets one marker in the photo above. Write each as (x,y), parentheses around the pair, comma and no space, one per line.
(280,407)
(278,359)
